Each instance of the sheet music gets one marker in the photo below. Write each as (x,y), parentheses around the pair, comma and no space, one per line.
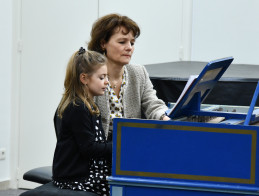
(187,86)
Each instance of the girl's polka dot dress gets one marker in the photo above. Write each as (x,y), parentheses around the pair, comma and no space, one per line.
(99,169)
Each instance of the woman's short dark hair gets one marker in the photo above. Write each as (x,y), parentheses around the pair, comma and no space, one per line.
(105,26)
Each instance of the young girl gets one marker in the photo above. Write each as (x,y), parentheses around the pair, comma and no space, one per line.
(82,158)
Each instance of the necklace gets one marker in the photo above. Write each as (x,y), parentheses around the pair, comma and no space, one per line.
(114,84)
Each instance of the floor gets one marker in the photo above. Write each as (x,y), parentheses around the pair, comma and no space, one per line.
(11,192)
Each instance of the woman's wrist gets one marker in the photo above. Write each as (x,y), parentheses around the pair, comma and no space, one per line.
(162,117)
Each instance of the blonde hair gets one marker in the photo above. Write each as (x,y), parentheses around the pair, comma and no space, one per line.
(81,62)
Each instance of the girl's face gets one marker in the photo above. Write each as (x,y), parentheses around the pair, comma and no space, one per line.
(97,82)
(120,47)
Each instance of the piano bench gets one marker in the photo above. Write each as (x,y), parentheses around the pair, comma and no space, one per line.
(41,175)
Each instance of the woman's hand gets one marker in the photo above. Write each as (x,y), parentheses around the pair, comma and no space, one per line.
(166,118)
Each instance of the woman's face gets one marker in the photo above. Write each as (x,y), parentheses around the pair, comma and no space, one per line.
(120,47)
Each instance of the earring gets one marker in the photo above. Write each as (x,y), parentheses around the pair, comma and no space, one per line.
(104,52)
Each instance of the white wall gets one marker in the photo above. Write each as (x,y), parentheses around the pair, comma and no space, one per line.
(226,28)
(5,84)
(49,35)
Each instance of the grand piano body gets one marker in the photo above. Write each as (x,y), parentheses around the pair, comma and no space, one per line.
(203,150)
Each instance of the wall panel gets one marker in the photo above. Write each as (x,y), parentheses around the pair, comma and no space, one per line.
(226,28)
(51,32)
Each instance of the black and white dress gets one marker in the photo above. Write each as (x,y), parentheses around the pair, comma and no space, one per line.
(99,170)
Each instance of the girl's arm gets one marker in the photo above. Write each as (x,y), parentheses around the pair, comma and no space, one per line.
(82,125)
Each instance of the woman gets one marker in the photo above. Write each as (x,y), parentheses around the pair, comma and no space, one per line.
(82,158)
(130,90)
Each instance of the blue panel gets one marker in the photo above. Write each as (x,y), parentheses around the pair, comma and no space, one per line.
(186,152)
(183,158)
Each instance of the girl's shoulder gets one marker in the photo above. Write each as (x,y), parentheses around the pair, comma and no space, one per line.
(77,107)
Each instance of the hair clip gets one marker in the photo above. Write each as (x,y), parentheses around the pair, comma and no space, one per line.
(81,51)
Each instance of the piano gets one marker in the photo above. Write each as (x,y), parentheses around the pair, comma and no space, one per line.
(204,150)
(239,80)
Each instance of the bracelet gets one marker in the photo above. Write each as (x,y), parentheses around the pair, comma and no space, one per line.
(163,115)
